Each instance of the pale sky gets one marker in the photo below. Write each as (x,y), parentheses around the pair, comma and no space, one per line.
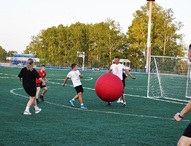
(21,19)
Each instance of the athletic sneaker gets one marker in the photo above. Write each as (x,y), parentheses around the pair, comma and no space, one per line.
(38,111)
(118,101)
(42,97)
(27,113)
(124,105)
(72,102)
(109,104)
(83,107)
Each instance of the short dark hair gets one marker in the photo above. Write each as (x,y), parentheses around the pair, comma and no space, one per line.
(30,61)
(43,65)
(190,47)
(117,57)
(73,65)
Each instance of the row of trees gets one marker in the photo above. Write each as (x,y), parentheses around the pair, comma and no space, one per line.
(4,53)
(102,41)
(59,45)
(166,41)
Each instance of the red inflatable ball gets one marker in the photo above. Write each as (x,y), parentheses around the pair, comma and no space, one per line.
(109,87)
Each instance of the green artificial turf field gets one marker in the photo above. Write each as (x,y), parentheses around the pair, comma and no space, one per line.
(145,122)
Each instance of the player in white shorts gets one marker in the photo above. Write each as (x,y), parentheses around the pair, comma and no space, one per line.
(118,69)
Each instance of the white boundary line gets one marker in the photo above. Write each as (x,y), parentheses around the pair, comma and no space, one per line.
(8,74)
(83,79)
(96,111)
(4,77)
(116,113)
(168,101)
(158,99)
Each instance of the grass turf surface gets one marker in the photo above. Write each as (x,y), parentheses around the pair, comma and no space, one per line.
(144,122)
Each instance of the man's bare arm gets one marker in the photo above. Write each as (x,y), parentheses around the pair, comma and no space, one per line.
(179,116)
(43,83)
(65,81)
(45,79)
(186,109)
(110,70)
(81,76)
(128,73)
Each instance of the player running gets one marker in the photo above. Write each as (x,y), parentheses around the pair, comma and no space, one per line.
(75,76)
(185,139)
(39,83)
(117,69)
(28,77)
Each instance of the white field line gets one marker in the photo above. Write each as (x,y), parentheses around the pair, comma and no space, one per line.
(96,111)
(168,101)
(158,99)
(86,79)
(4,77)
(8,74)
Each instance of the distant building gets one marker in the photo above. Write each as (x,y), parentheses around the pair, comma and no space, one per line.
(21,59)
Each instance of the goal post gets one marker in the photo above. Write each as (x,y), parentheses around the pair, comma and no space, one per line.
(169,78)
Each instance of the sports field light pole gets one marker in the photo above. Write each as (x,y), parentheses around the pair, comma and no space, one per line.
(83,64)
(149,36)
(82,54)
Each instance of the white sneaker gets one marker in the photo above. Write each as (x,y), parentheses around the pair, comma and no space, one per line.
(118,101)
(38,111)
(27,113)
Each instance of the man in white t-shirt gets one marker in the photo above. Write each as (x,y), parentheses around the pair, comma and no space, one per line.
(75,76)
(118,69)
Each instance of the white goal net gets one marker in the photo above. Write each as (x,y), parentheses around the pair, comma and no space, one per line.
(169,78)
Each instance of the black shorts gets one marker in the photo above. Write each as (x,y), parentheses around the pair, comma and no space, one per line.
(123,81)
(40,85)
(187,131)
(30,91)
(124,78)
(79,89)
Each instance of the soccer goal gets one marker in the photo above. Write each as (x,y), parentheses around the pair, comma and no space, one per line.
(169,78)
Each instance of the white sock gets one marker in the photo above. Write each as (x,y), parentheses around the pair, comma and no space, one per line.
(27,108)
(124,102)
(36,107)
(73,99)
(82,104)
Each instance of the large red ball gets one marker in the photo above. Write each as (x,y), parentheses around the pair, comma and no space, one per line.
(109,87)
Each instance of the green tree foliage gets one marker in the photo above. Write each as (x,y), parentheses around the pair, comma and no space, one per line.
(59,45)
(10,53)
(164,38)
(3,54)
(102,41)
